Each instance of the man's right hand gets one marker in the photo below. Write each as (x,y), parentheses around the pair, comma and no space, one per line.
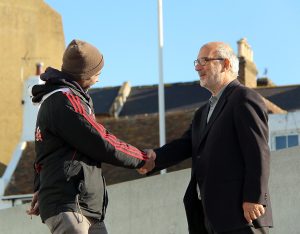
(34,207)
(149,164)
(252,211)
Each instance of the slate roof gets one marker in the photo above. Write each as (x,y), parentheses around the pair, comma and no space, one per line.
(21,181)
(286,97)
(144,99)
(183,96)
(103,98)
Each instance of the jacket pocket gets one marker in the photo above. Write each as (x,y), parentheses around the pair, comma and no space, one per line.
(91,189)
(72,169)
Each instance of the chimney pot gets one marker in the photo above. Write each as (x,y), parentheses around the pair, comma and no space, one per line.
(39,68)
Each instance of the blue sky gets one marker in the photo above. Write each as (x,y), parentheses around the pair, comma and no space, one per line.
(126,33)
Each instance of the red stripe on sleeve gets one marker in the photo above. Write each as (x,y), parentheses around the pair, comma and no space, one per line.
(79,105)
(71,100)
(120,146)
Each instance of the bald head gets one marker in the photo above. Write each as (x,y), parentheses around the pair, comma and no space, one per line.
(217,66)
(223,50)
(215,44)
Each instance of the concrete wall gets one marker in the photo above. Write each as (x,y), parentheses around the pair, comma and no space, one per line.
(285,190)
(148,206)
(30,32)
(154,205)
(151,206)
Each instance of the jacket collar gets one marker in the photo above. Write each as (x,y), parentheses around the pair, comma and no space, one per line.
(55,79)
(204,128)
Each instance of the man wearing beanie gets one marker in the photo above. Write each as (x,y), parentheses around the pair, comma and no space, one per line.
(70,191)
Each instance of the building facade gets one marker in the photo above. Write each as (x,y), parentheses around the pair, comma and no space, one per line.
(31,32)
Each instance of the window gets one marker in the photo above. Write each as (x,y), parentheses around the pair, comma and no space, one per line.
(282,142)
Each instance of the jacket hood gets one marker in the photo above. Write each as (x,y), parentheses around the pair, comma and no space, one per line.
(55,79)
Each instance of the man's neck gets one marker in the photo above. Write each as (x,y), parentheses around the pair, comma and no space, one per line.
(220,87)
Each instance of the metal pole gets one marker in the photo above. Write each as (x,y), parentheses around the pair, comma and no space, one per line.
(161,95)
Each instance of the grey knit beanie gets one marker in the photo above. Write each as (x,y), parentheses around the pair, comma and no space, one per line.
(82,60)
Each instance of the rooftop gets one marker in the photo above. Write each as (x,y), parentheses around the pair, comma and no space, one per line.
(183,96)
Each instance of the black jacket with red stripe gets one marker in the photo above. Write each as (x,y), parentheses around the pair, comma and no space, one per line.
(70,147)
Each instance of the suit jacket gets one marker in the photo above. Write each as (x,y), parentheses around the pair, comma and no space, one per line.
(230,161)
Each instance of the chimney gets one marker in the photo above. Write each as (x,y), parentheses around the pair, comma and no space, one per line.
(247,68)
(120,100)
(39,68)
(265,82)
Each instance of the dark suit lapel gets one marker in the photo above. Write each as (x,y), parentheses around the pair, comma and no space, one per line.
(219,107)
(204,118)
(202,126)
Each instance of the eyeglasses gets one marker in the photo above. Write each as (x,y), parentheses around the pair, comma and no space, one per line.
(203,61)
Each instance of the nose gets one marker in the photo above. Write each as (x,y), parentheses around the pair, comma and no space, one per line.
(198,67)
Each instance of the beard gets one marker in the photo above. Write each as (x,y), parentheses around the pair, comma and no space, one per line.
(211,80)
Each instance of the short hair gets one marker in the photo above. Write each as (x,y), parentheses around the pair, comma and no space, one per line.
(225,51)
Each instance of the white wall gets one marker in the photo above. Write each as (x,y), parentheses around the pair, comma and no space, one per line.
(30,110)
(283,124)
(154,205)
(29,117)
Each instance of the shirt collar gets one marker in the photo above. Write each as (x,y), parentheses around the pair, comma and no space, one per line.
(214,99)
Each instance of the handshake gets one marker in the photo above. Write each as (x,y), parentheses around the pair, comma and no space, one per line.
(149,163)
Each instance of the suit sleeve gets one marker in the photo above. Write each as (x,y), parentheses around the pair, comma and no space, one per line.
(80,130)
(251,122)
(174,152)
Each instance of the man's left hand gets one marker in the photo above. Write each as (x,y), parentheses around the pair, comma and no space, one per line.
(252,211)
(34,206)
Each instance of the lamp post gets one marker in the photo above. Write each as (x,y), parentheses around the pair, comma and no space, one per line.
(161,95)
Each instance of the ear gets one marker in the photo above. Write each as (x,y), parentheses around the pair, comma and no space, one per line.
(227,64)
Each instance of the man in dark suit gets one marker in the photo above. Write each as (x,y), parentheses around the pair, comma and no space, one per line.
(228,143)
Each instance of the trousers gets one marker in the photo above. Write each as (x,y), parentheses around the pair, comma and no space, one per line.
(74,223)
